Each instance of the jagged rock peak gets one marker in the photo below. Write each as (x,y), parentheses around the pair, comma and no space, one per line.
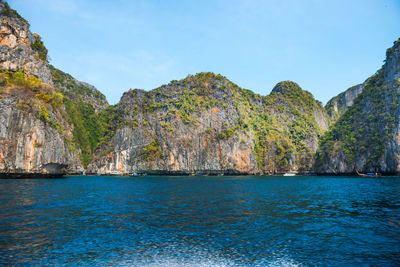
(285,87)
(5,10)
(205,77)
(391,68)
(207,80)
(395,47)
(204,83)
(20,48)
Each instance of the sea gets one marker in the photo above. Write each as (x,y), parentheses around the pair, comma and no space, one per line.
(200,221)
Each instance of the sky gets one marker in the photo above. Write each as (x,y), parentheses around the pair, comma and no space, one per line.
(324,46)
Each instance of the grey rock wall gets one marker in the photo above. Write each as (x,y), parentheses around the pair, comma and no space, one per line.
(29,144)
(15,48)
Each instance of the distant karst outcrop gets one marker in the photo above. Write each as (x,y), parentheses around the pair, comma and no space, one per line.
(51,123)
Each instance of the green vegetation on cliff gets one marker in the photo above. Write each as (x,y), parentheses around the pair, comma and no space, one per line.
(9,12)
(33,96)
(282,124)
(364,129)
(152,151)
(20,79)
(282,129)
(86,130)
(394,48)
(42,99)
(72,87)
(39,48)
(90,127)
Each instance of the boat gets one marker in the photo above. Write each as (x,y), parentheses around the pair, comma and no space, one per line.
(368,174)
(138,174)
(289,174)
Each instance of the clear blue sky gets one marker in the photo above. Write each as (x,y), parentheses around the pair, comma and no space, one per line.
(325,46)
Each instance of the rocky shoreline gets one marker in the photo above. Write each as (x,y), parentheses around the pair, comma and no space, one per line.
(156,173)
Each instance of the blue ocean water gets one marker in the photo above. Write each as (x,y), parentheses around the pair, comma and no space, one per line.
(200,221)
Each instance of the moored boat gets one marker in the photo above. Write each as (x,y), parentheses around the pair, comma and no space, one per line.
(368,174)
(289,174)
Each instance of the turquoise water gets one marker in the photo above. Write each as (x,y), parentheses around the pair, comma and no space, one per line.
(201,221)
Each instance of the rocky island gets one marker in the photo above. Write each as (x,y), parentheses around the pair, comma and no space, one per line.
(53,124)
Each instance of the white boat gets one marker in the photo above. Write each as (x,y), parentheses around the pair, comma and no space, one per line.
(289,174)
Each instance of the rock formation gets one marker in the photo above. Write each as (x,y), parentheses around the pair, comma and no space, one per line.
(366,138)
(29,145)
(51,123)
(19,48)
(339,104)
(38,133)
(206,124)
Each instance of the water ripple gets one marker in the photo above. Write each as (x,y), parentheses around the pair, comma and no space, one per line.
(201,221)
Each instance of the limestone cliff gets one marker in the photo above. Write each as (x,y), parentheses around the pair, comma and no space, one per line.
(205,123)
(29,145)
(391,70)
(339,104)
(366,138)
(19,48)
(41,130)
(51,123)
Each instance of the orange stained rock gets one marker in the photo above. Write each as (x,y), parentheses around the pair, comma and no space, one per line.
(29,151)
(243,161)
(172,160)
(215,109)
(205,143)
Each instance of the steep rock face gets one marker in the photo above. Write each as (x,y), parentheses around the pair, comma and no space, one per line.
(19,48)
(156,134)
(339,104)
(48,118)
(33,132)
(31,143)
(391,70)
(366,137)
(46,128)
(207,124)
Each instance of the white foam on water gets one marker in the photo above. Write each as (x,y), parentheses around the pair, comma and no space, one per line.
(173,257)
(209,262)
